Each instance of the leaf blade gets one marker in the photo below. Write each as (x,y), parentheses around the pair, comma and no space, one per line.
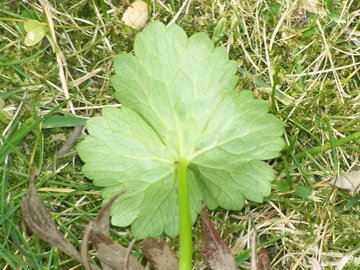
(178,94)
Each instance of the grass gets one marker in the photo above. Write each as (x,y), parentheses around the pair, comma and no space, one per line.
(301,56)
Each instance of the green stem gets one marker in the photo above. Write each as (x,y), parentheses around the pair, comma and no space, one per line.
(185,250)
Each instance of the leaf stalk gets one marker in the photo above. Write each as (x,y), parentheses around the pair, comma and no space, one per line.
(185,238)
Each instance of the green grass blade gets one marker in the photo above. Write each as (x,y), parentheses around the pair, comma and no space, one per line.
(63,121)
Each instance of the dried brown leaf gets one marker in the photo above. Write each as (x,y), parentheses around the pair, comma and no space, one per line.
(111,253)
(136,15)
(159,254)
(263,260)
(38,219)
(217,253)
(101,224)
(349,181)
(102,220)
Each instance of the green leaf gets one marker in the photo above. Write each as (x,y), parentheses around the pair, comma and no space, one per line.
(282,186)
(35,32)
(306,193)
(219,31)
(5,117)
(179,103)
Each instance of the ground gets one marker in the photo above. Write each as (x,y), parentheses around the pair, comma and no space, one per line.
(302,57)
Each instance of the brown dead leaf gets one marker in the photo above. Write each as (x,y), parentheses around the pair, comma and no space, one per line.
(38,219)
(102,220)
(349,181)
(111,253)
(263,260)
(159,254)
(136,15)
(217,253)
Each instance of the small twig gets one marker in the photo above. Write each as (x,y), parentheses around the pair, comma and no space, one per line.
(70,143)
(128,254)
(65,148)
(85,246)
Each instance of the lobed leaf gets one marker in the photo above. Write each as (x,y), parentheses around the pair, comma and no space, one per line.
(179,103)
